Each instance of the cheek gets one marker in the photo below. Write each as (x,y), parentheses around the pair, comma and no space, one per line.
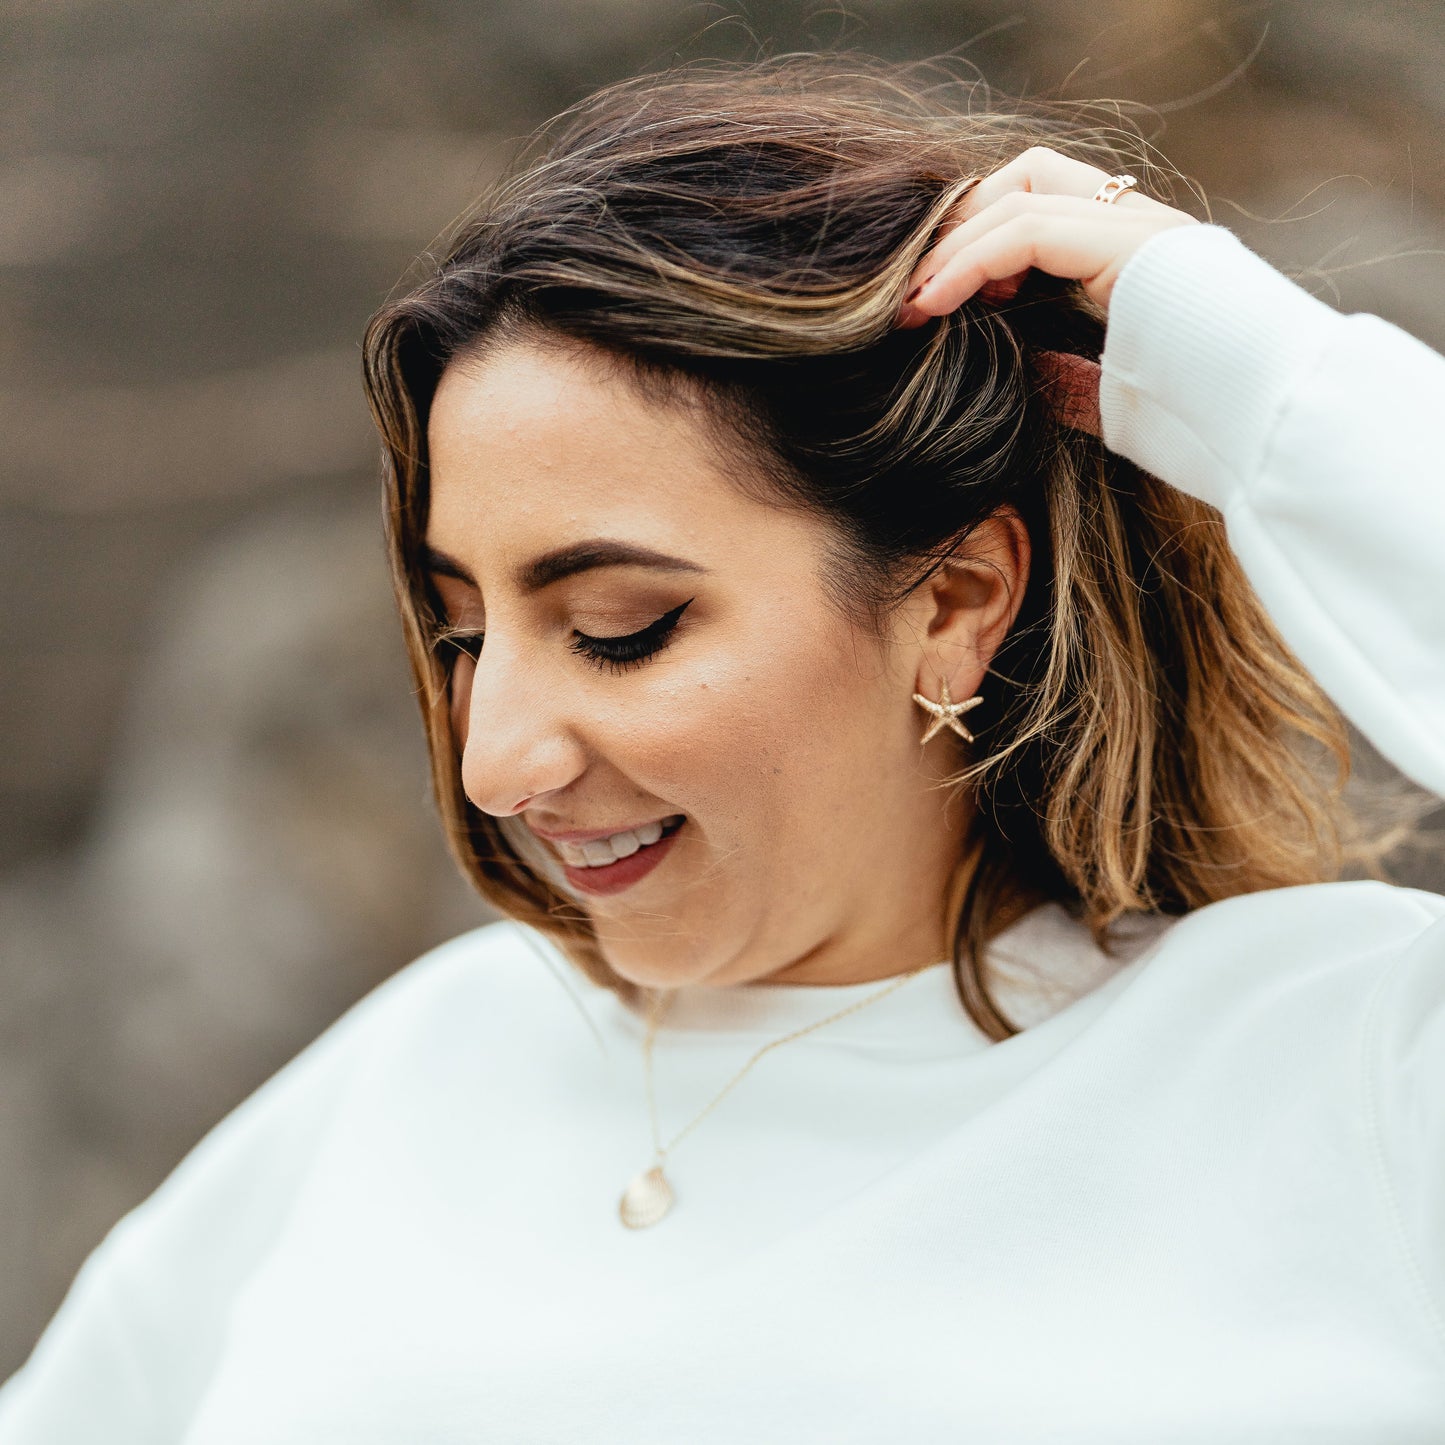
(695,738)
(750,741)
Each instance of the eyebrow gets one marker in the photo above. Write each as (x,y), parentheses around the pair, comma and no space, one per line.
(567,561)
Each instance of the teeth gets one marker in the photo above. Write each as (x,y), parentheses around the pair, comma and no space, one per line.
(602,851)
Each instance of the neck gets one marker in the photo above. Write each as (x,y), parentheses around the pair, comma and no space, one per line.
(896,941)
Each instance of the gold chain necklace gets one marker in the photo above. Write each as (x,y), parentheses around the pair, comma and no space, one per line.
(648,1198)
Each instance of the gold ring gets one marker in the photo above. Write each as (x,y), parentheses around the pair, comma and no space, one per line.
(1113,188)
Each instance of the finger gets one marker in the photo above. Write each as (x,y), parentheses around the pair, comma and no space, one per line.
(1004,290)
(1041,168)
(1050,239)
(1038,170)
(1016,206)
(996,293)
(1018,203)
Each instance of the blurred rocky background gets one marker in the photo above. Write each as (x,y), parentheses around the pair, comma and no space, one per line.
(214,832)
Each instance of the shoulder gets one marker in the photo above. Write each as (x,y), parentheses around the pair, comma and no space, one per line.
(490,978)
(502,954)
(1295,951)
(222,1203)
(144,1322)
(481,981)
(1295,945)
(487,980)
(1333,918)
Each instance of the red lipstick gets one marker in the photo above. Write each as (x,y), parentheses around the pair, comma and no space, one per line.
(614,877)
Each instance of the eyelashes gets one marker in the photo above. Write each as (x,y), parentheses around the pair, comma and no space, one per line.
(455,643)
(611,654)
(618,654)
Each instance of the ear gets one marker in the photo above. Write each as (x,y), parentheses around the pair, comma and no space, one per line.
(964,611)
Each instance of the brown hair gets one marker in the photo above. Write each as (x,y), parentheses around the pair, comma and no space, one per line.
(746,232)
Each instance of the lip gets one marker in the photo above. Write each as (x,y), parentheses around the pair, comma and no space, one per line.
(591,835)
(615,877)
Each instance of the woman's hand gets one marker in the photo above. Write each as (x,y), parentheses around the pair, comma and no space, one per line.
(1036,211)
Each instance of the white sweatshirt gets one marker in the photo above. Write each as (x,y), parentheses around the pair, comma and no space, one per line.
(1203,1201)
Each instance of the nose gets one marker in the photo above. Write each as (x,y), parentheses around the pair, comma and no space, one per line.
(517,743)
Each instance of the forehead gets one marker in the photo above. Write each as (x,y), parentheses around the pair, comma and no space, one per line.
(531,447)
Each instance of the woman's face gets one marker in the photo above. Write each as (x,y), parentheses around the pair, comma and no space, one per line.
(661,662)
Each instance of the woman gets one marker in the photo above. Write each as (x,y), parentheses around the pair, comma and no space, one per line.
(925,1011)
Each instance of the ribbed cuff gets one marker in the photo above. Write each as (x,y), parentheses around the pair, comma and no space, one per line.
(1204,342)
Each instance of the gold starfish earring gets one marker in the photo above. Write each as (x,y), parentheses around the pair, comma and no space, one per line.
(946,713)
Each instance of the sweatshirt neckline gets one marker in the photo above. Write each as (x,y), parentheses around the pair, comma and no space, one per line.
(1047,965)
(888,1010)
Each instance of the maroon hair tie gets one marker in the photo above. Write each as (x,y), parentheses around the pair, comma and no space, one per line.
(1073,384)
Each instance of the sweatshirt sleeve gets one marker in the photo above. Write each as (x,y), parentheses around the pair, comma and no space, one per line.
(131,1349)
(1316,434)
(1404,1108)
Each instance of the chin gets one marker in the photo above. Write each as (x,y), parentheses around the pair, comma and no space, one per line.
(645,967)
(665,962)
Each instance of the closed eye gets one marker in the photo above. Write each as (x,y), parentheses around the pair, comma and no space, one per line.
(618,654)
(613,654)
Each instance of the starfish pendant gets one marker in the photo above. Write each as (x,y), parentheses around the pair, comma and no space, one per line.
(946,713)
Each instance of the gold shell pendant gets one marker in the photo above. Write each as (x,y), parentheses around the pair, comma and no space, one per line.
(646,1199)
